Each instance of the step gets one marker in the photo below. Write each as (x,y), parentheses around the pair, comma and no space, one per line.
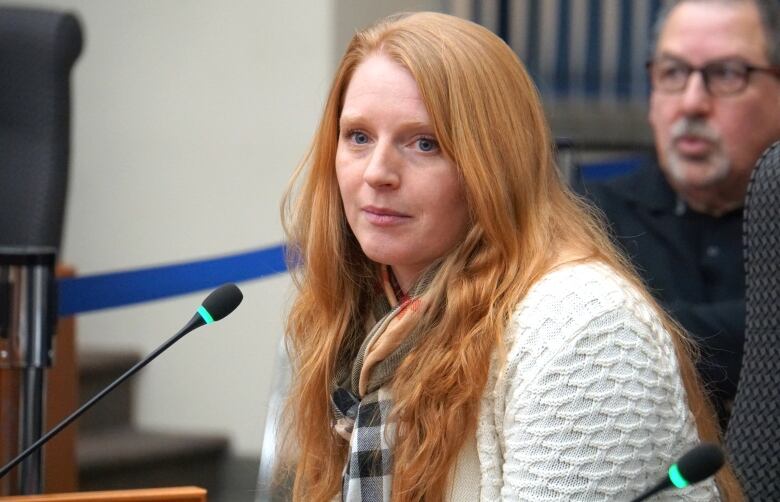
(128,458)
(97,369)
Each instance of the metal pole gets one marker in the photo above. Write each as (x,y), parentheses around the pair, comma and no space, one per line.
(31,425)
(30,276)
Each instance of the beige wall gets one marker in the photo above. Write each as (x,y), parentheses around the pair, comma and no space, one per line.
(189,117)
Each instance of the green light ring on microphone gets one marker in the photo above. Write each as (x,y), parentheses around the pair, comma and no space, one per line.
(205,314)
(676,477)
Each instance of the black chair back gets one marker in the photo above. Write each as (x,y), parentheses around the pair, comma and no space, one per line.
(37,50)
(754,429)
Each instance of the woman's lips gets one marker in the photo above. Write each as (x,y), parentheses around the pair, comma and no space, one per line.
(383,216)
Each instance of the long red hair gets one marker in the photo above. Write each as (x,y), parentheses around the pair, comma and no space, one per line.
(488,118)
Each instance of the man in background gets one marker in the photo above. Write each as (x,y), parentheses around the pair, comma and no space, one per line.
(714,107)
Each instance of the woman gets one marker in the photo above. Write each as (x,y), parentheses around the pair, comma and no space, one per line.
(463,329)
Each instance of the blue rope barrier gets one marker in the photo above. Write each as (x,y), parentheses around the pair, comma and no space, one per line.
(597,171)
(101,291)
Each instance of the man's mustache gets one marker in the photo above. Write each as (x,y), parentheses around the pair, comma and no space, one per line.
(694,127)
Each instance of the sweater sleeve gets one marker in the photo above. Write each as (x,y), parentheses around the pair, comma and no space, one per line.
(592,404)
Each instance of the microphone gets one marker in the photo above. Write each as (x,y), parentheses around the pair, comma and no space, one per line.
(218,304)
(698,464)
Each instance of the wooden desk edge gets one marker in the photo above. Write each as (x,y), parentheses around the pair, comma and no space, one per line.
(175,494)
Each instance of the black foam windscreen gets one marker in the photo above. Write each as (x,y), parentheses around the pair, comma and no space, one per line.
(753,434)
(701,462)
(223,300)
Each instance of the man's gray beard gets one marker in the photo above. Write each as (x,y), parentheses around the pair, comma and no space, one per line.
(717,166)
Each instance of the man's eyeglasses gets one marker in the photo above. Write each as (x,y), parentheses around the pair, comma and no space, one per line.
(721,78)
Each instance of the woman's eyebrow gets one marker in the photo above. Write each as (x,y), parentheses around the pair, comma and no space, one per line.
(347,118)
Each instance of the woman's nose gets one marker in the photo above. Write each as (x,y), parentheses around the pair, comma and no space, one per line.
(382,168)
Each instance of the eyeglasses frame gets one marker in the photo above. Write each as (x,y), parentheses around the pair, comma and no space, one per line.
(749,70)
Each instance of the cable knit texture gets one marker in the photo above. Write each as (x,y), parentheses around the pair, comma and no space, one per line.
(589,404)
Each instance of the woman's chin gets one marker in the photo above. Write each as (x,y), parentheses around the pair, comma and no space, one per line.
(385,254)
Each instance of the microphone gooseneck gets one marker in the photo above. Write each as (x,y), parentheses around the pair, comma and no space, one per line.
(221,302)
(697,464)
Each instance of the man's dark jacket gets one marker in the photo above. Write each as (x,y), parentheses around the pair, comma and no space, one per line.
(692,263)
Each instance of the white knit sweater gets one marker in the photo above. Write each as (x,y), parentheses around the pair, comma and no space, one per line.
(589,405)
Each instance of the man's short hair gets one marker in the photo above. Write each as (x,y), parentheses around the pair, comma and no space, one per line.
(768,11)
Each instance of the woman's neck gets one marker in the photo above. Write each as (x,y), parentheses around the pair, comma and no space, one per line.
(406,277)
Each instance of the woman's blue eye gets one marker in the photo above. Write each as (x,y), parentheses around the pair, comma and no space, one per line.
(359,138)
(427,144)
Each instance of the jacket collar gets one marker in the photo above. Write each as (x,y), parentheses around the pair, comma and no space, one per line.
(648,188)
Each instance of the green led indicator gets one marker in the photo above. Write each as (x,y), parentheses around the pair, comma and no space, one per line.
(205,314)
(677,479)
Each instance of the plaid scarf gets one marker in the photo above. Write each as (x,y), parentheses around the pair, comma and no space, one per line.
(362,402)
